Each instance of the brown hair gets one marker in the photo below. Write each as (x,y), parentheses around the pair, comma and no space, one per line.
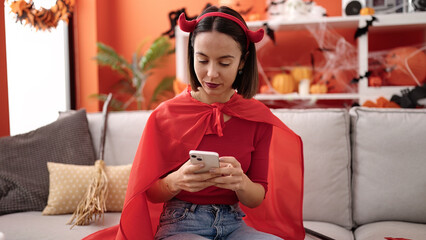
(246,83)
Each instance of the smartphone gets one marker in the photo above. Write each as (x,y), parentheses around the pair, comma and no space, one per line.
(210,159)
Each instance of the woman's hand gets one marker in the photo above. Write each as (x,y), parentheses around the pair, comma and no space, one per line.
(232,177)
(186,179)
(230,174)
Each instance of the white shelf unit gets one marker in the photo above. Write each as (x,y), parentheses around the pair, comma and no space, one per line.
(391,22)
(388,22)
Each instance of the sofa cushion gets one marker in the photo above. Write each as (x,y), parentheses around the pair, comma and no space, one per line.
(327,229)
(389,165)
(123,134)
(380,230)
(326,148)
(69,183)
(24,178)
(33,225)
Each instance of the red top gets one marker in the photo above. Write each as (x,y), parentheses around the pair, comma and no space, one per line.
(178,126)
(248,142)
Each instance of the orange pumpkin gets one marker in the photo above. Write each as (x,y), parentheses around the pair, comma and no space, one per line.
(300,73)
(265,89)
(398,74)
(318,88)
(178,86)
(381,102)
(254,17)
(283,83)
(337,81)
(375,81)
(367,11)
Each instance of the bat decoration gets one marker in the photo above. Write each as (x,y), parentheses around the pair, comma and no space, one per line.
(273,3)
(361,31)
(270,33)
(173,18)
(413,98)
(366,75)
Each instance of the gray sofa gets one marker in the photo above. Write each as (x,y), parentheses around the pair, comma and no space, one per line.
(365,173)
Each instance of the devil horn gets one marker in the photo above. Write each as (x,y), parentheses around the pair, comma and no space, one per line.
(256,36)
(185,25)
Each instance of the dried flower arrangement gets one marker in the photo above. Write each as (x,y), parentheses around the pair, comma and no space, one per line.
(42,19)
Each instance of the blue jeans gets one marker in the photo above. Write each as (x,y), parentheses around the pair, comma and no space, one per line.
(182,220)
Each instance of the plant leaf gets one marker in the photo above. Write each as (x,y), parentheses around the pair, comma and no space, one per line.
(139,49)
(123,86)
(159,48)
(107,56)
(138,77)
(165,85)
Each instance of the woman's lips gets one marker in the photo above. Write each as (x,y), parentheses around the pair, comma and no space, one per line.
(212,85)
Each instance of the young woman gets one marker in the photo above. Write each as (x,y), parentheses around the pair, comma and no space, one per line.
(216,114)
(222,62)
(222,65)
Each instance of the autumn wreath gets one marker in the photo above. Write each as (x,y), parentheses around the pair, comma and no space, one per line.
(42,19)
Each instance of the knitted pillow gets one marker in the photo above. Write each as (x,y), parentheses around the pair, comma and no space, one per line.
(24,178)
(69,183)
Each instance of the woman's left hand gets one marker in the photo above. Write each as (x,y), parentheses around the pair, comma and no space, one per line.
(231,176)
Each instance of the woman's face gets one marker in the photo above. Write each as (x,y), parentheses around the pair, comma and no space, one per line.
(217,59)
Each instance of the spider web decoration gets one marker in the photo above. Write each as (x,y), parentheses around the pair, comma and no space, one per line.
(341,59)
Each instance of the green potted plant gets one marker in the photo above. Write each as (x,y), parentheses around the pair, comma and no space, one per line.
(135,73)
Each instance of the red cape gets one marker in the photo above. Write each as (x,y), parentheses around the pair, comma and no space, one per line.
(178,126)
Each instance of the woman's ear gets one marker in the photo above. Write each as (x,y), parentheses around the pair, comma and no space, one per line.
(243,61)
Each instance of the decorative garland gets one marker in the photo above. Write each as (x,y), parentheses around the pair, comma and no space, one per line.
(42,19)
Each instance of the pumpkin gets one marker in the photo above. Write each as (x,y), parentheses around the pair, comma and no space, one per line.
(265,89)
(337,81)
(367,11)
(375,81)
(300,73)
(178,86)
(369,103)
(283,83)
(381,102)
(398,73)
(318,88)
(254,17)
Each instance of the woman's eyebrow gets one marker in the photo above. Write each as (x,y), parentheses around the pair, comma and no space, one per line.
(221,57)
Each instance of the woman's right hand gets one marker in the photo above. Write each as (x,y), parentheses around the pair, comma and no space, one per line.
(186,179)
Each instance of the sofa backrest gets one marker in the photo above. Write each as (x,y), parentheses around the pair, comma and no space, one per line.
(389,165)
(388,160)
(124,130)
(325,136)
(327,154)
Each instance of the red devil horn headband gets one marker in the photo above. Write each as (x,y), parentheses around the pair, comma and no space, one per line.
(189,26)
